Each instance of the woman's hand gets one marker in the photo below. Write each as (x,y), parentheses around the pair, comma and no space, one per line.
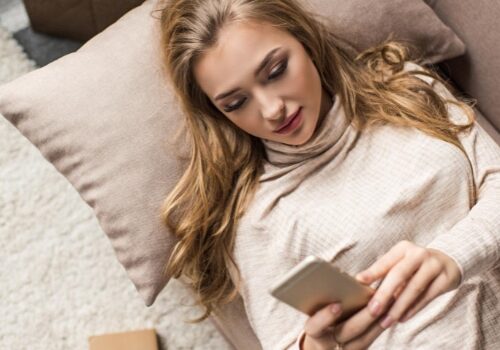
(323,333)
(413,275)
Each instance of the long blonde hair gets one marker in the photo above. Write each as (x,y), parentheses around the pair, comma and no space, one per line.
(225,163)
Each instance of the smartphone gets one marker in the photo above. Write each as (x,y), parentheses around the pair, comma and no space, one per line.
(314,283)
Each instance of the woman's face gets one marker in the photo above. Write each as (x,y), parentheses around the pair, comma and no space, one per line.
(258,76)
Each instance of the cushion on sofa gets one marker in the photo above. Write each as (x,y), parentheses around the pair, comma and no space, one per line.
(478,71)
(78,20)
(104,117)
(364,23)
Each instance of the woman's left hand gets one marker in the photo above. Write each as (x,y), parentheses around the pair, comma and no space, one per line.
(413,275)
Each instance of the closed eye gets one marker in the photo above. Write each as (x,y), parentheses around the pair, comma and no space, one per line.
(278,70)
(275,73)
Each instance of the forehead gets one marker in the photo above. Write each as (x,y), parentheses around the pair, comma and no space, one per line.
(240,48)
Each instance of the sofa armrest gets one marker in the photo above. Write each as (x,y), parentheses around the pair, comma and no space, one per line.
(76,19)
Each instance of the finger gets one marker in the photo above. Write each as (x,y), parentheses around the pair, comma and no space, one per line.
(436,288)
(399,274)
(317,325)
(354,326)
(380,267)
(366,339)
(417,286)
(400,289)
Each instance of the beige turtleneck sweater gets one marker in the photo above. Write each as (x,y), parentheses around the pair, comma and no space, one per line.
(348,196)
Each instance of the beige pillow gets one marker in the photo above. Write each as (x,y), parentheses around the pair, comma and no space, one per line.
(478,71)
(365,23)
(103,116)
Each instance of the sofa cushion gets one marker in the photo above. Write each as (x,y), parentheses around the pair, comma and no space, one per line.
(77,19)
(478,71)
(364,23)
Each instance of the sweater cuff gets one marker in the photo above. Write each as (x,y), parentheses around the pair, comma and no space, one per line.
(298,345)
(471,245)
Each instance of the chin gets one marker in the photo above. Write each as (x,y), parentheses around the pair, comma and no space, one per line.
(305,137)
(302,137)
(301,140)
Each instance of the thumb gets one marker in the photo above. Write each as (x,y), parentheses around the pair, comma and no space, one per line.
(364,277)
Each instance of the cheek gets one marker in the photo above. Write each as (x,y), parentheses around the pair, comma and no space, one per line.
(304,77)
(253,126)
(247,123)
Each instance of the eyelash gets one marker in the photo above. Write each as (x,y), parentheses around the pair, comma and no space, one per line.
(282,67)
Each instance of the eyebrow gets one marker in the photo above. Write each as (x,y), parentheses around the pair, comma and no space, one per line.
(261,66)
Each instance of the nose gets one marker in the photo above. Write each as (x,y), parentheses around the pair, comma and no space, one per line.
(272,107)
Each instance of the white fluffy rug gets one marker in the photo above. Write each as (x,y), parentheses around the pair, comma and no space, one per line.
(59,279)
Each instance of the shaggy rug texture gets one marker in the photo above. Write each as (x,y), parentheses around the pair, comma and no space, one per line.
(60,280)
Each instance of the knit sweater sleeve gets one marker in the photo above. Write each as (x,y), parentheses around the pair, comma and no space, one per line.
(298,344)
(474,241)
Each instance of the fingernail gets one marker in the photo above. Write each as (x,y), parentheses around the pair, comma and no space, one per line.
(374,307)
(361,277)
(335,309)
(387,322)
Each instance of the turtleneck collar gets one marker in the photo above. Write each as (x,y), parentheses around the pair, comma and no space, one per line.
(330,130)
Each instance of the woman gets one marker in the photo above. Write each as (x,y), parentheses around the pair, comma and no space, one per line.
(298,149)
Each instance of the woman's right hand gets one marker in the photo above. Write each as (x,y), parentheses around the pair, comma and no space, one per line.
(357,332)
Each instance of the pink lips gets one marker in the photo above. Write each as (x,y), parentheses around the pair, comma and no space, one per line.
(288,121)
